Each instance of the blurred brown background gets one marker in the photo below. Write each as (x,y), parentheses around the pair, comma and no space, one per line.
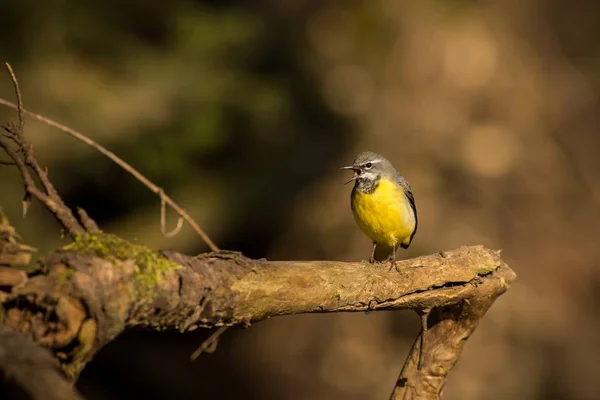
(243,111)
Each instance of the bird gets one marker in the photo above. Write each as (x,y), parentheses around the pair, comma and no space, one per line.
(382,203)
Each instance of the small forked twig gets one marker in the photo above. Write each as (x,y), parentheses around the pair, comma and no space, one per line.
(23,158)
(15,82)
(127,167)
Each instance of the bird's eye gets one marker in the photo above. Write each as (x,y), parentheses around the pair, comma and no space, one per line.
(368,165)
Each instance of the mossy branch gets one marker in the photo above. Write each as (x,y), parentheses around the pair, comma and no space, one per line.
(100,285)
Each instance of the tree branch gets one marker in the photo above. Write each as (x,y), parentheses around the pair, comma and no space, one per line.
(101,285)
(448,329)
(28,369)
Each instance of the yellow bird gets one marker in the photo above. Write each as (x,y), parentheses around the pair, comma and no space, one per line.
(382,203)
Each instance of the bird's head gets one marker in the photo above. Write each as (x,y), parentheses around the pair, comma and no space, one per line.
(368,169)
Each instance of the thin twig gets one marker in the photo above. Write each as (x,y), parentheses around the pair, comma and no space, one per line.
(163,218)
(88,223)
(19,105)
(113,157)
(23,158)
(55,204)
(210,344)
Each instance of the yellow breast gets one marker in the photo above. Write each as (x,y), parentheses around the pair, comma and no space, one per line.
(385,215)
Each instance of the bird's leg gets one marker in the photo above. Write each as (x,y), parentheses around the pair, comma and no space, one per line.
(372,258)
(393,260)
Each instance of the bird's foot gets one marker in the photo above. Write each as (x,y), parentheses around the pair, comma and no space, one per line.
(372,260)
(393,265)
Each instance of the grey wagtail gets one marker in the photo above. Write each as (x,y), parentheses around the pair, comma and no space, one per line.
(382,203)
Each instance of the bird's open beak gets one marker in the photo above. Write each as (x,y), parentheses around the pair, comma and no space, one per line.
(356,175)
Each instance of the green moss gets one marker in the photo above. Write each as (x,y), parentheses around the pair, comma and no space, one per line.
(149,265)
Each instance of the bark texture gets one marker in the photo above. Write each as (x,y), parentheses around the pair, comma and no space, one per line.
(84,295)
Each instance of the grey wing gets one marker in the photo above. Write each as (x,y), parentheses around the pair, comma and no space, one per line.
(411,199)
